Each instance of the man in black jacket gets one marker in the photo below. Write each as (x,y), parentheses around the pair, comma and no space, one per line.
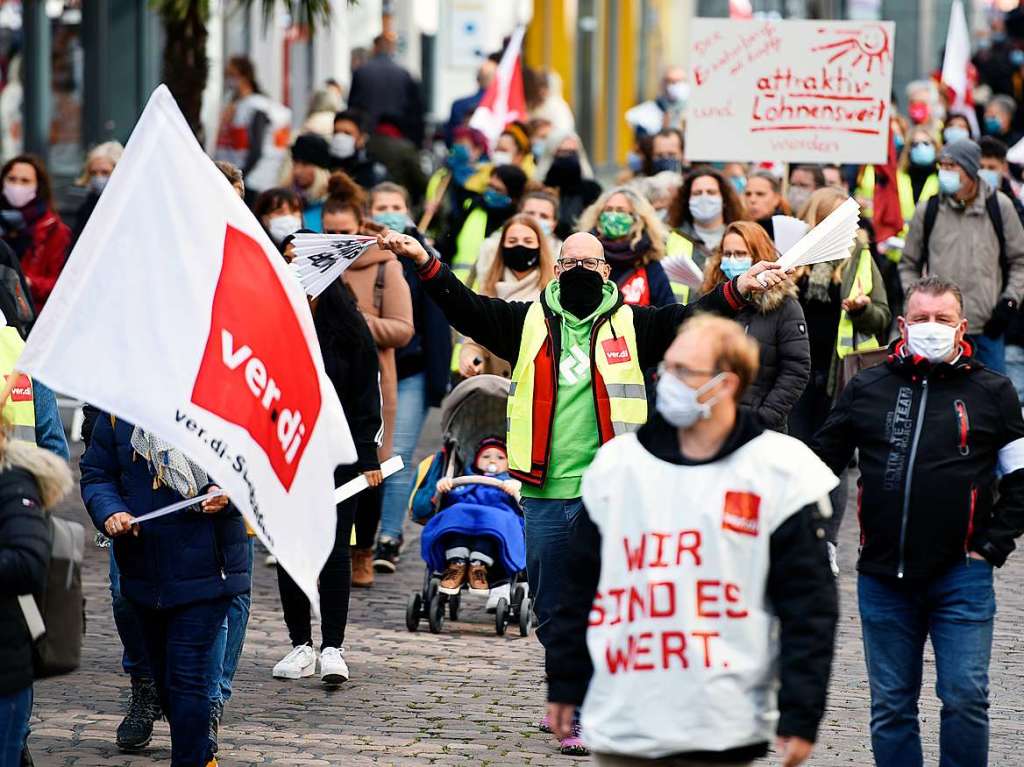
(668,623)
(936,433)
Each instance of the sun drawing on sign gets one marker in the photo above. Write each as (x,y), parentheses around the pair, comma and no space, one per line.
(868,45)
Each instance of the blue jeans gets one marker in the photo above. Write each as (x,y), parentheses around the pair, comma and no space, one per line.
(126,618)
(15,710)
(227,649)
(957,610)
(1015,368)
(548,523)
(409,418)
(180,643)
(990,352)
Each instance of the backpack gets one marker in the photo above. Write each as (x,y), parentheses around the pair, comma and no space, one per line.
(56,616)
(421,501)
(931,212)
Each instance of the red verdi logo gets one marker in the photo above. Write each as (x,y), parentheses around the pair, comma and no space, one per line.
(616,350)
(741,512)
(22,391)
(257,371)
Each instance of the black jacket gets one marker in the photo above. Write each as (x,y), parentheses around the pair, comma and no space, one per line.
(24,558)
(350,361)
(930,438)
(498,325)
(800,588)
(382,87)
(363,169)
(776,321)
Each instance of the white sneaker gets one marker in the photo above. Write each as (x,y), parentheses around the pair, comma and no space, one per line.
(504,590)
(270,560)
(333,669)
(299,663)
(833,559)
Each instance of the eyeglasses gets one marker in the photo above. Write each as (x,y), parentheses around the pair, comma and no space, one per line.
(735,254)
(682,372)
(565,264)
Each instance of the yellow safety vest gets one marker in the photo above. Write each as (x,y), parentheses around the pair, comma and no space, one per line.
(677,245)
(620,394)
(862,284)
(467,244)
(20,410)
(906,190)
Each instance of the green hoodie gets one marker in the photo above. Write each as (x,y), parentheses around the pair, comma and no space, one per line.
(574,433)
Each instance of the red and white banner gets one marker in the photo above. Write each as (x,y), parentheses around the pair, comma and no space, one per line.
(176,313)
(957,70)
(504,101)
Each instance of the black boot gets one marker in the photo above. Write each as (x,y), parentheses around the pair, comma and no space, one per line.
(136,729)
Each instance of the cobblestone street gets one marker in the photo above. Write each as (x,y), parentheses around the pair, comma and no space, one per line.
(464,697)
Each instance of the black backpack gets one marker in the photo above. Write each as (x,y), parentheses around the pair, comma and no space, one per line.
(995,215)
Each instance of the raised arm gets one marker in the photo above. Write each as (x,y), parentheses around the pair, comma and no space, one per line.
(496,324)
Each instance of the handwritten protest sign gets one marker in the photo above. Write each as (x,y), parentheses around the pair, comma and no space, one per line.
(789,91)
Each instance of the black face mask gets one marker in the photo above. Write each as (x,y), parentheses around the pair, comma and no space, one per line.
(520,258)
(580,291)
(564,171)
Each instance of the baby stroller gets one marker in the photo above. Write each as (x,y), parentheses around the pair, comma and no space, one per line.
(475,409)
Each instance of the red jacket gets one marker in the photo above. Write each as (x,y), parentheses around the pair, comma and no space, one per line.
(43,261)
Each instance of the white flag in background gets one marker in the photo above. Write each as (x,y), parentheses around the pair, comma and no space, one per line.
(176,313)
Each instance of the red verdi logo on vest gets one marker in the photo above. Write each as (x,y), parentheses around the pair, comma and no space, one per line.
(616,350)
(22,391)
(741,512)
(256,371)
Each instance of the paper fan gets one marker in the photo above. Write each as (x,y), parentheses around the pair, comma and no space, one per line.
(682,268)
(830,240)
(788,231)
(319,259)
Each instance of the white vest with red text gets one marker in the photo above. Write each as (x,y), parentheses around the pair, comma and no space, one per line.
(682,638)
(233,140)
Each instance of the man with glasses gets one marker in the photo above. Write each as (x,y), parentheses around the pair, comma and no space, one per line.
(578,357)
(668,624)
(970,235)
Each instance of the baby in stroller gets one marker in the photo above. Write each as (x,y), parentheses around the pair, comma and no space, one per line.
(478,535)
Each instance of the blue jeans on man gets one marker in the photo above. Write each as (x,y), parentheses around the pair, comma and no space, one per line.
(990,352)
(957,610)
(126,618)
(15,711)
(410,414)
(227,648)
(548,523)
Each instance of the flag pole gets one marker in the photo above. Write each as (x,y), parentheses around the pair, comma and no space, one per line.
(435,203)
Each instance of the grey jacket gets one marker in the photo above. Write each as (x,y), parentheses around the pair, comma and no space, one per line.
(964,248)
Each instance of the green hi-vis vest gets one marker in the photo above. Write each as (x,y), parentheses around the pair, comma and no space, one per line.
(677,245)
(467,244)
(620,395)
(20,410)
(848,341)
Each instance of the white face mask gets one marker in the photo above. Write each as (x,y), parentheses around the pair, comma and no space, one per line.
(678,403)
(19,195)
(502,158)
(343,145)
(282,226)
(705,208)
(679,92)
(931,340)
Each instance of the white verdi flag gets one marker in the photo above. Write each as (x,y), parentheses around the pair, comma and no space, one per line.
(176,313)
(504,101)
(956,62)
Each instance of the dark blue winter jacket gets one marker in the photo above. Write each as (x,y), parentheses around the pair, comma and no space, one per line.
(177,559)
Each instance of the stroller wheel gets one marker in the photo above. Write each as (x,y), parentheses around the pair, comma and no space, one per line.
(501,617)
(435,617)
(432,588)
(412,611)
(454,603)
(518,595)
(525,608)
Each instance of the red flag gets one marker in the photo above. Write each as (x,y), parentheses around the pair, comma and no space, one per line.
(504,101)
(888,217)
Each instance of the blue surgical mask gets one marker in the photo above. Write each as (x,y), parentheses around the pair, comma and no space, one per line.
(635,161)
(949,181)
(992,178)
(899,142)
(394,220)
(1017,57)
(667,163)
(546,226)
(537,147)
(459,155)
(739,183)
(992,126)
(955,133)
(734,267)
(494,199)
(922,154)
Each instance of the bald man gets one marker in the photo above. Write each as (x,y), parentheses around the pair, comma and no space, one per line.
(578,358)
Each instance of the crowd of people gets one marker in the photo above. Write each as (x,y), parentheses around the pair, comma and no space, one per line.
(657,429)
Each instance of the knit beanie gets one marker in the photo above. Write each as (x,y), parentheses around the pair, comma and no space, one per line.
(513,178)
(312,149)
(964,153)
